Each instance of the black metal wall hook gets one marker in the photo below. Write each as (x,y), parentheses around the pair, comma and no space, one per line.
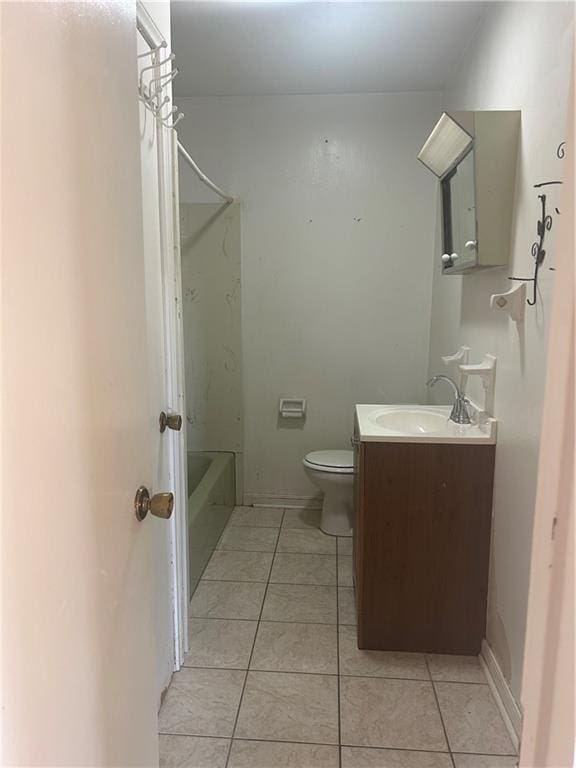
(544,225)
(538,253)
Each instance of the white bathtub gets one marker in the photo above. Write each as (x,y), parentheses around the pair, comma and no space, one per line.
(211,493)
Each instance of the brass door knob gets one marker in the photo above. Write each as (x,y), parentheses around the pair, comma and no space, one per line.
(172,421)
(160,505)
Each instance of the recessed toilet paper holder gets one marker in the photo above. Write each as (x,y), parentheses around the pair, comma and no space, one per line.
(292,407)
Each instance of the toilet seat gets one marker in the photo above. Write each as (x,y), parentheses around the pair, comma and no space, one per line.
(337,462)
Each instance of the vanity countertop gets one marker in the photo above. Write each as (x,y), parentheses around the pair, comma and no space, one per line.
(419,424)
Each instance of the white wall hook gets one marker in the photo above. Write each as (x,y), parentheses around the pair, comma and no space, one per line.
(170,114)
(175,120)
(163,81)
(155,66)
(153,51)
(513,302)
(459,357)
(486,370)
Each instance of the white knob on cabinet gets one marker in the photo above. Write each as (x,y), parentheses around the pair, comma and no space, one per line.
(449,258)
(470,245)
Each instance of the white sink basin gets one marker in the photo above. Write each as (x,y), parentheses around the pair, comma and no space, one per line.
(419,424)
(414,421)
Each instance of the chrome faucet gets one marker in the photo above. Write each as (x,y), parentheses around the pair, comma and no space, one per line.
(460,413)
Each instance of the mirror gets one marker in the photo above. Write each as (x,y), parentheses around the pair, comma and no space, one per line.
(459,236)
(474,156)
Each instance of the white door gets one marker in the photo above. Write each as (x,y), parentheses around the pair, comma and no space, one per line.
(157,377)
(79,572)
(165,354)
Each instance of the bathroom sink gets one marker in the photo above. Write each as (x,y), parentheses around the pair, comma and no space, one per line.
(414,421)
(419,424)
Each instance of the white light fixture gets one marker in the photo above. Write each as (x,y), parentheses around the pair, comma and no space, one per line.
(446,146)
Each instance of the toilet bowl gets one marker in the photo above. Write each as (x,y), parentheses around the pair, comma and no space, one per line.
(333,473)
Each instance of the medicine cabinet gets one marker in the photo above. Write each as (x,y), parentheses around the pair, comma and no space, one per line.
(474,156)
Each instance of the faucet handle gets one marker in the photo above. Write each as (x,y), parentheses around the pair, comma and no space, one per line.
(460,411)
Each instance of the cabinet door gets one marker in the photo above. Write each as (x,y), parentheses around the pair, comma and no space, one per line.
(423,545)
(459,217)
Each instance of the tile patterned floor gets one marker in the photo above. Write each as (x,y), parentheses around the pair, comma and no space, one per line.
(274,679)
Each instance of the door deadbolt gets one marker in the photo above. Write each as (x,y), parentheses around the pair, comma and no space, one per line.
(172,421)
(160,505)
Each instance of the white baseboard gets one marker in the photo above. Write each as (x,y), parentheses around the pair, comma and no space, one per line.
(279,500)
(509,708)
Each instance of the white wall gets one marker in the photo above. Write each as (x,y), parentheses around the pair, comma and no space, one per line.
(519,60)
(337,227)
(211,300)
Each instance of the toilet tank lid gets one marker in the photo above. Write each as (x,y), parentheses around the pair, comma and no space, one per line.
(339,459)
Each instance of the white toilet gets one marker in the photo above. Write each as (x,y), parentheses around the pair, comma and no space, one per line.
(333,473)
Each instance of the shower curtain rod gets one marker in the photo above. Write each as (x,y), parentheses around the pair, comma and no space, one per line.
(202,176)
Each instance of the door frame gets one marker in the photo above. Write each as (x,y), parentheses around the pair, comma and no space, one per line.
(168,203)
(548,673)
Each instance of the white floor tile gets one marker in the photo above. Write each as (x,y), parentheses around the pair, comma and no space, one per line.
(227,600)
(224,643)
(274,754)
(193,752)
(277,706)
(296,648)
(472,719)
(202,702)
(400,714)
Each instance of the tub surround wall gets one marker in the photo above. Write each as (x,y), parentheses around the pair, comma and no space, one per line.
(337,227)
(210,249)
(519,59)
(211,496)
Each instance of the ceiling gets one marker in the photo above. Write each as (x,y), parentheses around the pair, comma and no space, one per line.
(257,48)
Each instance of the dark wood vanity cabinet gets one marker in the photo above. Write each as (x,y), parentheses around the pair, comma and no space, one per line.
(421,545)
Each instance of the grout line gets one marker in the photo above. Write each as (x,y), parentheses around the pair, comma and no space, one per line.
(236,581)
(314,674)
(271,672)
(287,583)
(194,735)
(218,618)
(324,744)
(439,711)
(244,738)
(280,551)
(253,527)
(252,651)
(327,744)
(271,621)
(309,554)
(457,682)
(407,749)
